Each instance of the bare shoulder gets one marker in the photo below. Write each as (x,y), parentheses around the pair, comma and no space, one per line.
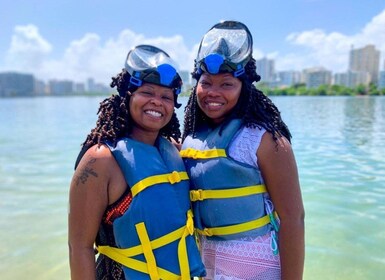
(95,164)
(274,148)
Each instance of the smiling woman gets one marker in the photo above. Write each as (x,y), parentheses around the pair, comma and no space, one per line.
(151,108)
(245,189)
(120,203)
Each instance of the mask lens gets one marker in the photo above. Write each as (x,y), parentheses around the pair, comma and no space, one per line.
(231,40)
(147,63)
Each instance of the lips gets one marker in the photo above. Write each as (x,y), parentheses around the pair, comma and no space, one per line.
(153,113)
(214,104)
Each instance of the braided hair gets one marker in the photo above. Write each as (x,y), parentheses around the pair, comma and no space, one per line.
(254,108)
(115,120)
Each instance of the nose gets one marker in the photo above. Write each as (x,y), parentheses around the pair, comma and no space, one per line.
(213,91)
(156,100)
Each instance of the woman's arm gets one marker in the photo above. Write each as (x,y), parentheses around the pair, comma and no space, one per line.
(279,170)
(88,199)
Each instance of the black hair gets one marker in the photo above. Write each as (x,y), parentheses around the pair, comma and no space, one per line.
(114,119)
(254,108)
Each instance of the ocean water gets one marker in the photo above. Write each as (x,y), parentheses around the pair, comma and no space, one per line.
(339,143)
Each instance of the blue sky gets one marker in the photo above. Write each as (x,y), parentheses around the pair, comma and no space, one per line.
(80,39)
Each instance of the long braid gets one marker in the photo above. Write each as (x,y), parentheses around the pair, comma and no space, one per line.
(253,107)
(114,118)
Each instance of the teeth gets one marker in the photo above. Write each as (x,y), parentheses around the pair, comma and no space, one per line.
(214,104)
(154,113)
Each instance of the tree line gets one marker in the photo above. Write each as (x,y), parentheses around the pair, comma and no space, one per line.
(323,90)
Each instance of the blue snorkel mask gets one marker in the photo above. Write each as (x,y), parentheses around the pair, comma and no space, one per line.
(150,64)
(225,48)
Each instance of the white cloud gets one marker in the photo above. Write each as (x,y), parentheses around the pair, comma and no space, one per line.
(91,56)
(331,50)
(86,57)
(28,49)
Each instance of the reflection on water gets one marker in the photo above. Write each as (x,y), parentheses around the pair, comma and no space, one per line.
(359,120)
(339,146)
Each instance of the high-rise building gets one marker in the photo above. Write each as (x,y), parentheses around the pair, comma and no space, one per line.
(314,77)
(366,59)
(90,85)
(16,84)
(40,88)
(186,79)
(288,78)
(381,80)
(60,87)
(352,78)
(266,69)
(79,88)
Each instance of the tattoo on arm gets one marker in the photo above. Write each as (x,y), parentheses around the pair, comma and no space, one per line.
(86,172)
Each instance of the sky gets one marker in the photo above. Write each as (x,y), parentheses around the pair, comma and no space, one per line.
(68,39)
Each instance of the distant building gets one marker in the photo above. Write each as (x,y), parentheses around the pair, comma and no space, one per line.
(90,85)
(40,88)
(93,87)
(288,78)
(341,79)
(16,84)
(352,78)
(79,88)
(60,87)
(366,59)
(266,69)
(314,77)
(186,79)
(101,88)
(381,80)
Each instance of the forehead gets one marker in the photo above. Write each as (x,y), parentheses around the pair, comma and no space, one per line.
(220,76)
(156,88)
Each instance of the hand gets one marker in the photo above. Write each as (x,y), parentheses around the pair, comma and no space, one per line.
(176,144)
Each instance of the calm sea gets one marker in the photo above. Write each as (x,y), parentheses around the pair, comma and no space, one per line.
(339,144)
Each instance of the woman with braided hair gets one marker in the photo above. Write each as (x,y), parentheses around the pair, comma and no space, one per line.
(245,191)
(129,195)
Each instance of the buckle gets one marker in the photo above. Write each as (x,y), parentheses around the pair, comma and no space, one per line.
(174,177)
(196,195)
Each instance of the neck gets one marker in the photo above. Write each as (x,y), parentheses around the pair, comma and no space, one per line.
(145,137)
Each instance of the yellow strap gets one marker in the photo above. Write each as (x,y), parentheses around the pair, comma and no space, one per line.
(174,177)
(228,193)
(182,248)
(226,230)
(147,251)
(156,243)
(123,256)
(116,255)
(197,154)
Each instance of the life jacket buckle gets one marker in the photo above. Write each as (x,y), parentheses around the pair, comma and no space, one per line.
(191,153)
(207,232)
(196,195)
(174,177)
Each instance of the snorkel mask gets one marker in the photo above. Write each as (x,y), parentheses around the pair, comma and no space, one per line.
(150,64)
(226,47)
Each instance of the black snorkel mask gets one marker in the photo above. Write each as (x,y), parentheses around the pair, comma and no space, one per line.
(225,48)
(146,63)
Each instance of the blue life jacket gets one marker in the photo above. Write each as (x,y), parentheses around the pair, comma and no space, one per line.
(228,197)
(155,235)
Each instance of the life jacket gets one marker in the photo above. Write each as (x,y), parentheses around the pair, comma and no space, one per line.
(155,235)
(228,197)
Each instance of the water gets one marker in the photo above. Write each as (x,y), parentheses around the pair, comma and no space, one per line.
(339,143)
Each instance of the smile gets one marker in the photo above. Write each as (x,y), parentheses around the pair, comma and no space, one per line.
(154,113)
(214,104)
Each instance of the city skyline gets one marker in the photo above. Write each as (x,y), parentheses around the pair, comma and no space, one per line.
(62,40)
